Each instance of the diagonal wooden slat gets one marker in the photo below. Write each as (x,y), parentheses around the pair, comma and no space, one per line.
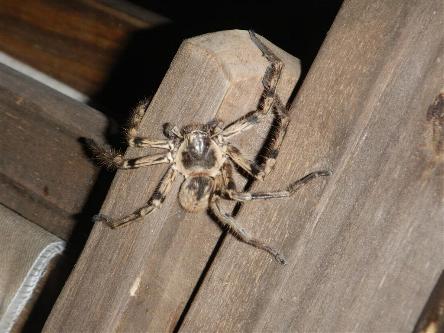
(139,278)
(365,247)
(45,174)
(76,42)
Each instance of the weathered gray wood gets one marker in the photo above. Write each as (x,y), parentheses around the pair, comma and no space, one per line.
(29,256)
(365,247)
(139,278)
(45,174)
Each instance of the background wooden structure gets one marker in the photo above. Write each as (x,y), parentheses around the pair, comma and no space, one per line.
(359,243)
(367,250)
(46,126)
(365,247)
(78,42)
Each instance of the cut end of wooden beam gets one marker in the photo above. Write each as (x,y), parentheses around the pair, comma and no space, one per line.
(225,66)
(240,59)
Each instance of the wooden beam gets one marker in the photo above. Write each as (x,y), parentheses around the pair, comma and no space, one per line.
(364,247)
(74,42)
(45,174)
(139,278)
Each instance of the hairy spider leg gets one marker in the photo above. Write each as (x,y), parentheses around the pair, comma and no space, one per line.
(134,163)
(227,177)
(114,160)
(269,100)
(291,189)
(241,234)
(268,96)
(133,126)
(260,171)
(228,191)
(156,200)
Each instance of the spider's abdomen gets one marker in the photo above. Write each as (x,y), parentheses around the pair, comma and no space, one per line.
(195,193)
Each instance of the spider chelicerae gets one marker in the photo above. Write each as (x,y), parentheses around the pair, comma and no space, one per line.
(203,155)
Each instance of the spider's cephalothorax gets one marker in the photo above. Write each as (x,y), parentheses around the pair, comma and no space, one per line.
(199,159)
(203,155)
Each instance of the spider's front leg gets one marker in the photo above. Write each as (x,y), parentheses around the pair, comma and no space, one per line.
(114,160)
(269,101)
(156,200)
(240,233)
(131,132)
(268,95)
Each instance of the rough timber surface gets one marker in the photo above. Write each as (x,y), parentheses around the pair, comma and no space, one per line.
(140,277)
(45,174)
(366,249)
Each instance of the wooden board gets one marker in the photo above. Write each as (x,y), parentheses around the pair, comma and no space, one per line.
(366,247)
(76,42)
(139,278)
(29,258)
(45,174)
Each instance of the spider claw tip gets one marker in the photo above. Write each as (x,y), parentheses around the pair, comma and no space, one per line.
(281,259)
(100,218)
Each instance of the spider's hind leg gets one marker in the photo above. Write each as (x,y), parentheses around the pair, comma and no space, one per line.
(289,191)
(241,234)
(156,200)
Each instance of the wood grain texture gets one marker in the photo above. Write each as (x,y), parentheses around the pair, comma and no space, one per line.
(365,246)
(29,257)
(45,174)
(139,278)
(75,42)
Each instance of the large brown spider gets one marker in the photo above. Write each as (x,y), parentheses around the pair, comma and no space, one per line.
(203,155)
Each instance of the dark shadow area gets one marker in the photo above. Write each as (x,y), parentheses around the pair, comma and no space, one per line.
(298,27)
(432,316)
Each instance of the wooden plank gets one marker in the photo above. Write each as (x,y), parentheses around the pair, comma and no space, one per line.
(29,258)
(139,278)
(76,42)
(365,246)
(45,174)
